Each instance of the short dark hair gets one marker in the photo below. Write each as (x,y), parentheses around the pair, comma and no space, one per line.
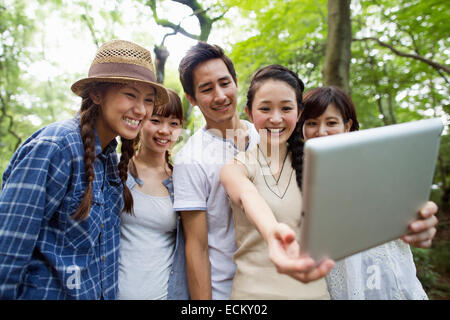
(173,108)
(317,100)
(196,55)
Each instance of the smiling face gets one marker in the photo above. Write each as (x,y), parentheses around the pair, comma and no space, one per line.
(274,111)
(160,133)
(215,92)
(330,122)
(124,108)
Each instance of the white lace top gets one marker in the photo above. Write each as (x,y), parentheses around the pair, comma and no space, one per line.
(386,272)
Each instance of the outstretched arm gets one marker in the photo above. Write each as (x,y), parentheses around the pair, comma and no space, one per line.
(284,250)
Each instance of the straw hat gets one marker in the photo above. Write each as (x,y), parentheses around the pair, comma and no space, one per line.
(122,61)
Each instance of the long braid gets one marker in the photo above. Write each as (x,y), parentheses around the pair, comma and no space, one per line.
(88,117)
(295,146)
(167,157)
(127,152)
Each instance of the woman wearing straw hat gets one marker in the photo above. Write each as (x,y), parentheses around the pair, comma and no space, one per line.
(64,189)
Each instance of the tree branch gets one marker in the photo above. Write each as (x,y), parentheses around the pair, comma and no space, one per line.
(400,27)
(431,63)
(324,18)
(220,16)
(376,83)
(176,28)
(167,24)
(90,24)
(167,35)
(190,3)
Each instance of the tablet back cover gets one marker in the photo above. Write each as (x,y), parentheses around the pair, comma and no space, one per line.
(361,189)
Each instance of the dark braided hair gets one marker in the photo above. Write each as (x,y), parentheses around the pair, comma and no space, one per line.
(89,114)
(280,73)
(127,152)
(295,146)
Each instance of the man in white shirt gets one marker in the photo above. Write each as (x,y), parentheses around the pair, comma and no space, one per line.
(209,81)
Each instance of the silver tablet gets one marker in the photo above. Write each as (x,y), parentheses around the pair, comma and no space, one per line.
(363,188)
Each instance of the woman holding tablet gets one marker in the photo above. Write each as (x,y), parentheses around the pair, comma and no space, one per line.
(383,272)
(266,199)
(261,184)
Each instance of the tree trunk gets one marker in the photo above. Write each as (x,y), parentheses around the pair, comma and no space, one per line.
(205,23)
(336,66)
(161,55)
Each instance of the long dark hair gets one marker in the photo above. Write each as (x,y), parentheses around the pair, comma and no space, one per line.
(175,109)
(89,113)
(278,72)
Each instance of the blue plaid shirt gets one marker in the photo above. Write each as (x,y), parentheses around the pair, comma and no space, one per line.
(44,253)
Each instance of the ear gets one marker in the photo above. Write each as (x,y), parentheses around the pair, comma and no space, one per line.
(249,114)
(348,125)
(191,100)
(95,97)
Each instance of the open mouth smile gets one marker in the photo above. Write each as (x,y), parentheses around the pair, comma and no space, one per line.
(275,131)
(161,142)
(131,122)
(222,108)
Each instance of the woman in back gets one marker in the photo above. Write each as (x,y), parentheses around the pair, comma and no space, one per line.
(385,272)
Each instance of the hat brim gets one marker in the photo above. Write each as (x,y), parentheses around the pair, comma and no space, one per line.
(162,97)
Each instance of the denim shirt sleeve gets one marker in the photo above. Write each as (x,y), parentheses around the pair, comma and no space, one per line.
(34,184)
(177,287)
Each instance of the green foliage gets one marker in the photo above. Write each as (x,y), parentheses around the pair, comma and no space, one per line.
(27,102)
(404,88)
(423,261)
(412,27)
(431,264)
(386,87)
(277,38)
(16,30)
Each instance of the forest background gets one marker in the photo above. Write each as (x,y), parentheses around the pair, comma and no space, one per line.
(392,56)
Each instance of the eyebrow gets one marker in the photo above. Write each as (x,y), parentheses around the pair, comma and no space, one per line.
(202,85)
(282,101)
(327,118)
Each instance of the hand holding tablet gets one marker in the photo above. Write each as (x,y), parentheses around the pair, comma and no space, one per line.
(363,188)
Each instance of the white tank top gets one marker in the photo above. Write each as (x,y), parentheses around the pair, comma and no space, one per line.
(147,243)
